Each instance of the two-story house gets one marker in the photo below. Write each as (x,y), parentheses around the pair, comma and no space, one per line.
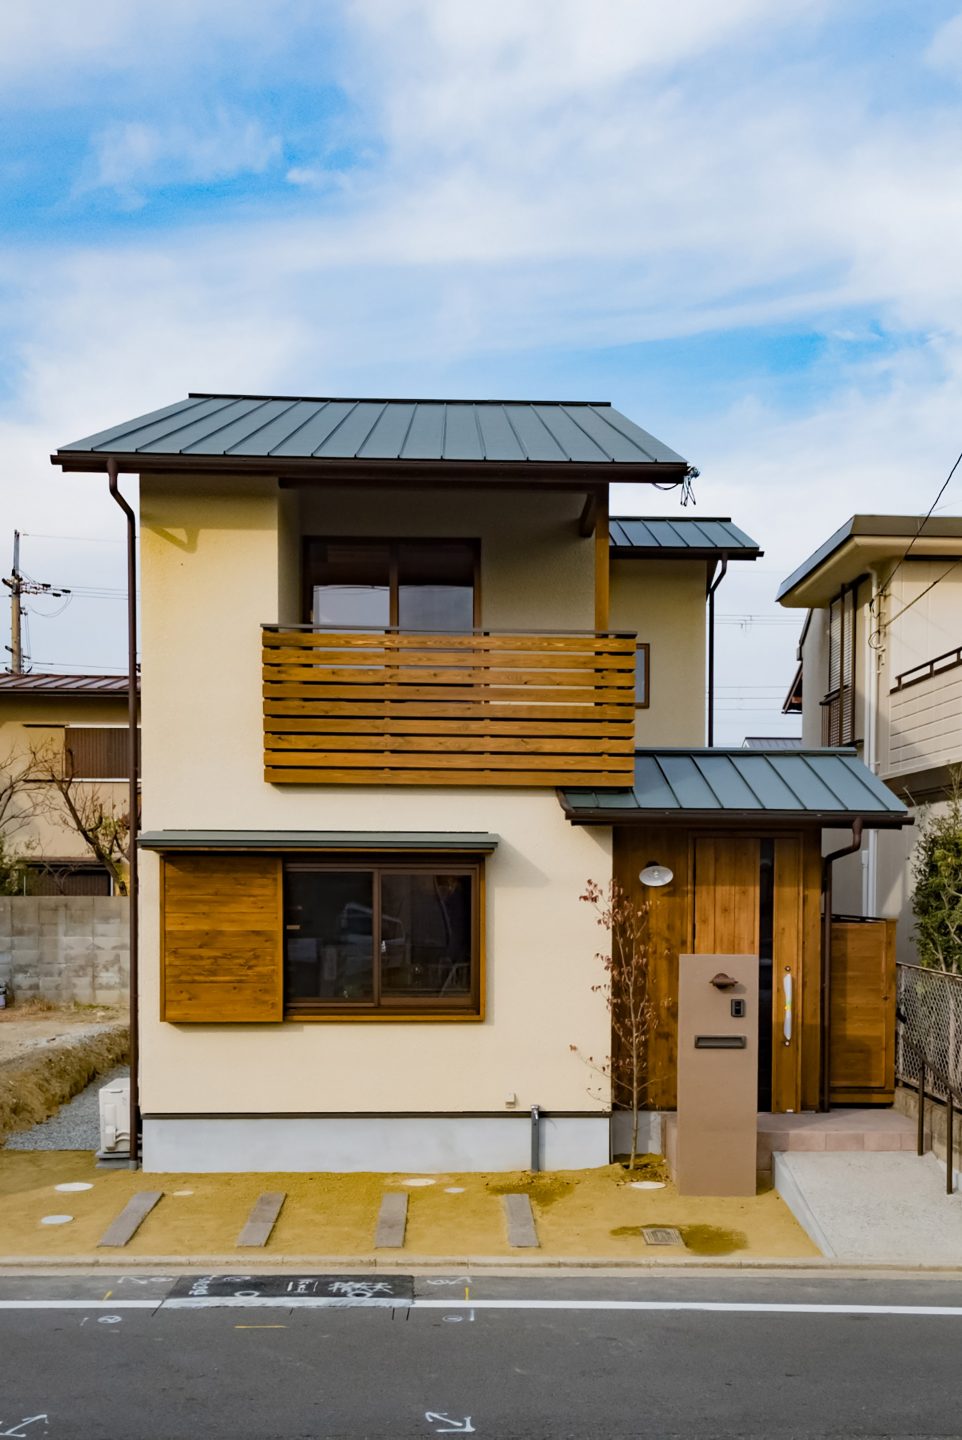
(880,669)
(406,689)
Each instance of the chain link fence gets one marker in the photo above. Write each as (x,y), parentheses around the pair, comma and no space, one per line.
(929,1030)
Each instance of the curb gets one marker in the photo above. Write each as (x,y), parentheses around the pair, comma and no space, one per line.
(492,1263)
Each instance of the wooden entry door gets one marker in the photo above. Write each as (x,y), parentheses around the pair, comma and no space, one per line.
(731,919)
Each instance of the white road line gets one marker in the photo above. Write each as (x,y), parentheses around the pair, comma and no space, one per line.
(321,1302)
(724,1306)
(81,1304)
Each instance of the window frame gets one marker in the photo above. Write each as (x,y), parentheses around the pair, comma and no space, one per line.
(80,775)
(393,544)
(378,1010)
(643,648)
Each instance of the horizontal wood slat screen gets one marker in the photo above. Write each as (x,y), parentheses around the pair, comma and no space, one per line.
(363,708)
(222,939)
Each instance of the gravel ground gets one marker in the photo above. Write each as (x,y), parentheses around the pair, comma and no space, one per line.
(76,1125)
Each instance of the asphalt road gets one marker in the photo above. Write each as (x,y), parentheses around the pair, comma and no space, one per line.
(129,1357)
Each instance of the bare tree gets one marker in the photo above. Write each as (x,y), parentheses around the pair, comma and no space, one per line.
(626,991)
(103,826)
(15,811)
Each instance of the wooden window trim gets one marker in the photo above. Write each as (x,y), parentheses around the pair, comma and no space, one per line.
(393,543)
(471,1009)
(643,647)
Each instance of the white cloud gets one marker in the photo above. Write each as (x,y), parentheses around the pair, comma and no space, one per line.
(135,155)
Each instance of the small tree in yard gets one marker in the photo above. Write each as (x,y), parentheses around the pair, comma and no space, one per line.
(937,897)
(625,988)
(103,827)
(15,808)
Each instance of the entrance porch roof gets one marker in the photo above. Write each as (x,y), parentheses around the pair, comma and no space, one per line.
(829,787)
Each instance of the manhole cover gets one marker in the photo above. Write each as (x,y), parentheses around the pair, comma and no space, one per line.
(661,1235)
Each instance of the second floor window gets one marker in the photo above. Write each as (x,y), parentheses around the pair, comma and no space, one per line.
(838,707)
(411,584)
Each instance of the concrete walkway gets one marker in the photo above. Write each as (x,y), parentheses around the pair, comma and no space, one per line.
(873,1207)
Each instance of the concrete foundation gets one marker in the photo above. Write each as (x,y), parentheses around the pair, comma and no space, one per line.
(385,1144)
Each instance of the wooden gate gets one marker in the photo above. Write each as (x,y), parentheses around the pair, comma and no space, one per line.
(862,1046)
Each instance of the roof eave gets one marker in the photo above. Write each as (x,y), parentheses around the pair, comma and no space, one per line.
(688,552)
(576,474)
(781,819)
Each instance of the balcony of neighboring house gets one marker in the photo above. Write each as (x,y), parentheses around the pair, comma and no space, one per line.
(925,716)
(394,680)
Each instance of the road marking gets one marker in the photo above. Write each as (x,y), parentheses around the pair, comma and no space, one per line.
(327,1302)
(79,1304)
(724,1306)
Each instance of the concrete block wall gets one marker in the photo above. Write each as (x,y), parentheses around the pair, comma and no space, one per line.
(65,948)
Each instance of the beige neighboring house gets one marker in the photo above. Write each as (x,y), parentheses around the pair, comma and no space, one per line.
(81,719)
(407,688)
(880,669)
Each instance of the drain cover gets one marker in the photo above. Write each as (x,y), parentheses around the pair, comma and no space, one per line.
(661,1235)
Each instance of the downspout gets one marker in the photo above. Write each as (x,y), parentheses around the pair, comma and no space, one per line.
(711,647)
(132,804)
(825,1079)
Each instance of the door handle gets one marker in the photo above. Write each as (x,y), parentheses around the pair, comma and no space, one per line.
(788,987)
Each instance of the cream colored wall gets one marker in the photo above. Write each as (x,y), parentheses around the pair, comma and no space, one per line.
(28,724)
(211,575)
(664,601)
(921,726)
(814,678)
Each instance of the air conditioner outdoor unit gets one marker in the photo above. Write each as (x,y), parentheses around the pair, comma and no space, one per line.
(114,1119)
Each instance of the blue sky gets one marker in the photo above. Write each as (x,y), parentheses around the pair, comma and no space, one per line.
(739,220)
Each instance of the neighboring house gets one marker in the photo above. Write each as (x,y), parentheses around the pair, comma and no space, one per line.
(772,742)
(406,690)
(881,657)
(79,721)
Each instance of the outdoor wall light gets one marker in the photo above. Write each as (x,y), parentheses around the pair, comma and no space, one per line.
(656,875)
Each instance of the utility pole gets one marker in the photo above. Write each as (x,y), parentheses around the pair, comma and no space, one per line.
(19,586)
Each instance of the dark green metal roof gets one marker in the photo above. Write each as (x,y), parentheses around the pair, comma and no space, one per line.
(287,427)
(679,539)
(479,841)
(824,787)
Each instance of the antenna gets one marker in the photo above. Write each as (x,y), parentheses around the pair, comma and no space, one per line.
(19,585)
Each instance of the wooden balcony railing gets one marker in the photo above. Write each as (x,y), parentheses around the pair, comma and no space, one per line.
(404,708)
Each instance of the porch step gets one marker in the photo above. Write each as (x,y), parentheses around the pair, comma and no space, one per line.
(882,1130)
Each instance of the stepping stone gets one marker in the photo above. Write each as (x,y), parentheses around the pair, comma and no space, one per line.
(391,1223)
(262,1219)
(130,1219)
(521,1227)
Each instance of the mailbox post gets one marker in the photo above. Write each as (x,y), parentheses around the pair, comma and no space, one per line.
(717,1125)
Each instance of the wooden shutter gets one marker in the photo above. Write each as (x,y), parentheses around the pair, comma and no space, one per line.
(96,752)
(222,939)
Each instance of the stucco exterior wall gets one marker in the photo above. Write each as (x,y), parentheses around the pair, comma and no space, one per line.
(212,572)
(664,601)
(26,725)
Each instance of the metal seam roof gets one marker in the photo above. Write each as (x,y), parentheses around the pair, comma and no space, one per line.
(46,684)
(796,784)
(470,840)
(654,534)
(295,427)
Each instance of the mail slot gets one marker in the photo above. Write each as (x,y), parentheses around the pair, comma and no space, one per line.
(721,1042)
